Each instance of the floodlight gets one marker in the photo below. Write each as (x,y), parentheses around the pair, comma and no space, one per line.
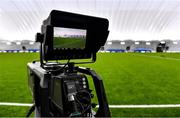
(109,43)
(136,43)
(175,42)
(31,43)
(18,43)
(122,43)
(148,43)
(162,42)
(8,43)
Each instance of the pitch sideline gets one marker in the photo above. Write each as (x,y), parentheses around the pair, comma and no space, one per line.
(111,106)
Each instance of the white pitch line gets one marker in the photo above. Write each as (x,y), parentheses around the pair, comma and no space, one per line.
(146,106)
(14,104)
(111,106)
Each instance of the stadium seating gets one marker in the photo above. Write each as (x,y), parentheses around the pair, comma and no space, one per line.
(140,46)
(110,46)
(29,46)
(142,50)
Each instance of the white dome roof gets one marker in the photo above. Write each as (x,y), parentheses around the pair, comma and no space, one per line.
(129,19)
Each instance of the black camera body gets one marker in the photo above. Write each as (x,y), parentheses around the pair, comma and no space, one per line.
(63,94)
(73,97)
(62,89)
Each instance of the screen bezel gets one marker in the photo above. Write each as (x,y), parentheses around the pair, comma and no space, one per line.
(50,53)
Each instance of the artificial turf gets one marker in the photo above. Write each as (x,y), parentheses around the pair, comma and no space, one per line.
(129,78)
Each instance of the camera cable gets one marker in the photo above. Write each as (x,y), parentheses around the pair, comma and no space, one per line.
(30,111)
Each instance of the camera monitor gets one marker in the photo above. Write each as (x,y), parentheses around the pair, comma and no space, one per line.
(67,35)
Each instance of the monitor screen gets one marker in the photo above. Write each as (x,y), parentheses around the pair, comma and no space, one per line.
(69,38)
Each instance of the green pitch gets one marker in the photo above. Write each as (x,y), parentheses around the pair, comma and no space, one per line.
(60,42)
(129,78)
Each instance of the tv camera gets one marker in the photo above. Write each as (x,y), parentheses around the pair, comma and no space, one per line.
(62,89)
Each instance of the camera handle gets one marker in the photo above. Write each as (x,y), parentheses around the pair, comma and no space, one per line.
(103,110)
